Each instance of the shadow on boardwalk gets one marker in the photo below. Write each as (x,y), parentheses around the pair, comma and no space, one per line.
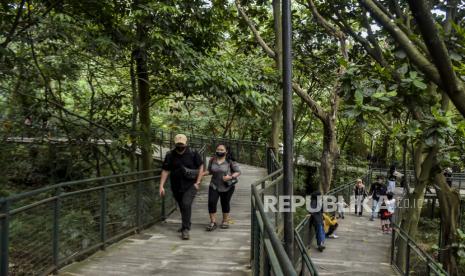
(160,251)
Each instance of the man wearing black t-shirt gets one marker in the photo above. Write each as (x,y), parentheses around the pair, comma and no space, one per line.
(184,188)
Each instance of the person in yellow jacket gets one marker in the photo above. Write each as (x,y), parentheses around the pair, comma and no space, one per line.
(330,225)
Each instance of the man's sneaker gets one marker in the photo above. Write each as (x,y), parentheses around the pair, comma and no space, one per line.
(321,248)
(185,234)
(333,236)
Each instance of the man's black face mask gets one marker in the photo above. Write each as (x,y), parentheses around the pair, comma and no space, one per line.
(180,148)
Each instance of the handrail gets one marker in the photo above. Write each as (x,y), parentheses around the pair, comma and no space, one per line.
(278,248)
(303,264)
(23,195)
(402,244)
(268,177)
(431,264)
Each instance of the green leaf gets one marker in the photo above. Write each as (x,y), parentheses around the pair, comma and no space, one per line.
(392,93)
(419,84)
(378,95)
(455,56)
(358,97)
(400,54)
(371,108)
(413,74)
(403,69)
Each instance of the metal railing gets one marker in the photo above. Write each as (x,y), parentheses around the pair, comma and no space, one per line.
(268,256)
(408,258)
(244,151)
(44,229)
(267,252)
(303,237)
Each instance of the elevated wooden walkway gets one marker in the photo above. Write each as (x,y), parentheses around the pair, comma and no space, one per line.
(360,249)
(160,251)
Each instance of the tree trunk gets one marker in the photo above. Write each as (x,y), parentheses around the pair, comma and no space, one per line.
(276,124)
(329,154)
(144,97)
(383,156)
(449,202)
(413,205)
(133,136)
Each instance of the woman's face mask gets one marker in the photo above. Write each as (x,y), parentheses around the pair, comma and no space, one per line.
(220,152)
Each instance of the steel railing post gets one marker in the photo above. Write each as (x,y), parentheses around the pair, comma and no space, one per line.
(267,160)
(103,214)
(139,204)
(256,246)
(252,236)
(4,250)
(56,228)
(266,260)
(266,156)
(163,201)
(393,238)
(288,128)
(250,155)
(407,261)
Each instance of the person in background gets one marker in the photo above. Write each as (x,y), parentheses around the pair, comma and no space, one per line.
(448,175)
(183,165)
(28,121)
(316,213)
(330,225)
(392,178)
(223,170)
(360,195)
(376,190)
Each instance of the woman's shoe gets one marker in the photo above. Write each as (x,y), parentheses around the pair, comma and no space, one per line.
(224,225)
(211,227)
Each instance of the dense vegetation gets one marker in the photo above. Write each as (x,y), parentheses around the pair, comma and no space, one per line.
(375,81)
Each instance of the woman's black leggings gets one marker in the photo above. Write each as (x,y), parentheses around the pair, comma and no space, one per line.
(225,198)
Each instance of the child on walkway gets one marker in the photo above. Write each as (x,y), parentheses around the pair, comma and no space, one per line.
(341,204)
(387,211)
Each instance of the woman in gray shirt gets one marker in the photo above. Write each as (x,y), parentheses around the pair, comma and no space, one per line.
(223,169)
